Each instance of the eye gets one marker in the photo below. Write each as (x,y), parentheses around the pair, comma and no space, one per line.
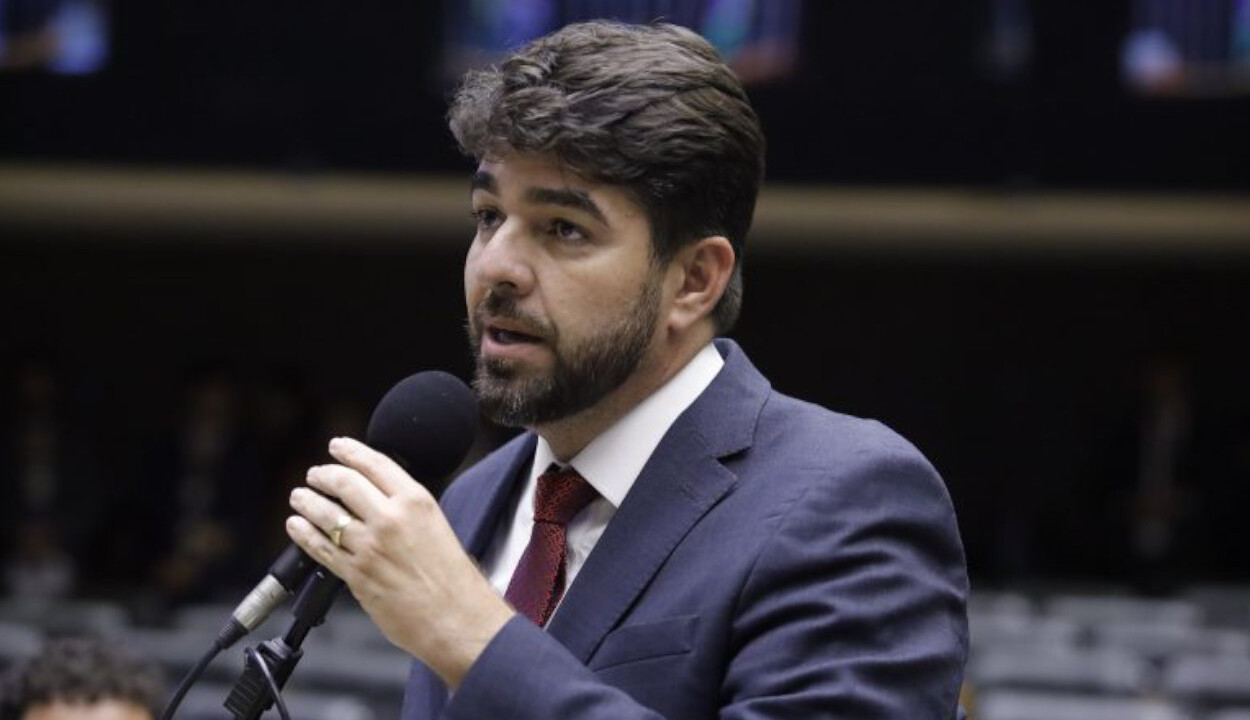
(566,231)
(486,218)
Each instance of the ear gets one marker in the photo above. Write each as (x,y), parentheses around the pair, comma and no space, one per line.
(700,272)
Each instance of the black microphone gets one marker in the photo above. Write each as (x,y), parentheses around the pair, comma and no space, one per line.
(425,423)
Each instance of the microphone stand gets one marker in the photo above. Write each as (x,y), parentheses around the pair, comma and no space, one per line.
(268,666)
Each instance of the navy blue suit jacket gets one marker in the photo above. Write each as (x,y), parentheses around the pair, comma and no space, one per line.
(773,560)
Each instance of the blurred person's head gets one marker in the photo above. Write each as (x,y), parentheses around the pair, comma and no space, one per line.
(81,679)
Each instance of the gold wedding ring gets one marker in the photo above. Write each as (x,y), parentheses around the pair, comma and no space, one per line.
(336,533)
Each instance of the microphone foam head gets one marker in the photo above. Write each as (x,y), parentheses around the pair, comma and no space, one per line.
(426,423)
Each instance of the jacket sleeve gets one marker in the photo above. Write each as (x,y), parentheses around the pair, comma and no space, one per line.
(854,608)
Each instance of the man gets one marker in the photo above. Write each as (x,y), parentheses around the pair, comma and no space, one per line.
(671,537)
(81,679)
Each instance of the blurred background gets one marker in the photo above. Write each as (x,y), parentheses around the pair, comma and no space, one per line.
(1016,231)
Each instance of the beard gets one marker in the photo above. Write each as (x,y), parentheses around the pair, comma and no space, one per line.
(581,375)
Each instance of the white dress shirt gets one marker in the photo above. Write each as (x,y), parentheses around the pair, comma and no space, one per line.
(610,463)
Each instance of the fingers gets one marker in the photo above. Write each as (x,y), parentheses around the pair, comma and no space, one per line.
(326,516)
(317,545)
(345,499)
(383,472)
(356,492)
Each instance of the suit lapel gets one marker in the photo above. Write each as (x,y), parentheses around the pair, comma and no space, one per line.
(679,484)
(478,523)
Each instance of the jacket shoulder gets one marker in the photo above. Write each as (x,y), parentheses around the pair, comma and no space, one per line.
(811,433)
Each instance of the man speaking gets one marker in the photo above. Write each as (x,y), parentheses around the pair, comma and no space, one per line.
(671,538)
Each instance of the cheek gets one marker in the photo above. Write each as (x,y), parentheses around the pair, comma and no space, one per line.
(585,306)
(472,289)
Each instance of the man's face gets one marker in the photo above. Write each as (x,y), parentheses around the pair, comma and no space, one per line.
(562,293)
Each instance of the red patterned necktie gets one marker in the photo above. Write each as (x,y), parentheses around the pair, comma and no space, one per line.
(539,580)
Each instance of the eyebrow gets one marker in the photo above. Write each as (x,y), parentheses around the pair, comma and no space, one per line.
(565,197)
(562,197)
(483,180)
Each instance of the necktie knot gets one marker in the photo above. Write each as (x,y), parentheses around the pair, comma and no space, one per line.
(562,494)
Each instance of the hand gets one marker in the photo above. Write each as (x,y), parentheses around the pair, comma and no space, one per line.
(400,558)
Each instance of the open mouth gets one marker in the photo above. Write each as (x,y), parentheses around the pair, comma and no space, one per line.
(511,337)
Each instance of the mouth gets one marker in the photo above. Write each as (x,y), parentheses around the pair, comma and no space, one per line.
(505,336)
(506,339)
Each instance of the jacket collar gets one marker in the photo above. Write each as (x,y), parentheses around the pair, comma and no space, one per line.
(505,471)
(683,479)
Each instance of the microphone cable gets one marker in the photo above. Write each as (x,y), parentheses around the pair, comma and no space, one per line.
(229,635)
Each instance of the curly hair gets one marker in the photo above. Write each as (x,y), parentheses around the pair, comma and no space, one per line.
(650,108)
(80,670)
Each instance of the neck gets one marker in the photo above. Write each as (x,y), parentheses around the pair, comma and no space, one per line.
(568,436)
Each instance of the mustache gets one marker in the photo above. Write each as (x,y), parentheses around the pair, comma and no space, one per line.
(504,307)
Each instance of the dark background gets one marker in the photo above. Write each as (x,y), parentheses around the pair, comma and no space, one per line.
(901,92)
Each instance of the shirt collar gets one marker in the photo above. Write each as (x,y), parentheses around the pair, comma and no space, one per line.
(611,462)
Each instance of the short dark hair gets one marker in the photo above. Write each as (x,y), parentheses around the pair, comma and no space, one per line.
(80,670)
(651,108)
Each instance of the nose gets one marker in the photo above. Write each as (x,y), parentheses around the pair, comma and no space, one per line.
(501,262)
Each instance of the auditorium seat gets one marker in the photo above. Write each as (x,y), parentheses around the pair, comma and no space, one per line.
(1091,670)
(349,626)
(1242,713)
(1015,705)
(1223,605)
(178,649)
(999,603)
(67,617)
(1022,631)
(1095,610)
(1164,641)
(334,666)
(1210,680)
